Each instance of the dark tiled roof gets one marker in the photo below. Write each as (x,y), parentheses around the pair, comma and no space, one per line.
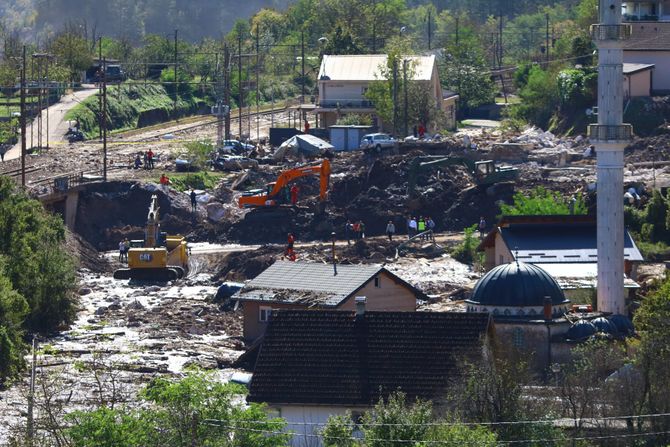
(540,243)
(310,283)
(653,36)
(331,357)
(553,239)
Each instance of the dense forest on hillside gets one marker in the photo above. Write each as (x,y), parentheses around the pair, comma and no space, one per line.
(134,19)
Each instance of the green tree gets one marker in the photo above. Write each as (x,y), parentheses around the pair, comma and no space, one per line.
(38,266)
(196,410)
(339,431)
(394,418)
(466,251)
(13,309)
(541,201)
(464,68)
(342,41)
(539,98)
(72,50)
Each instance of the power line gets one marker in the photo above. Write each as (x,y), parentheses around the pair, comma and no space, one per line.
(221,424)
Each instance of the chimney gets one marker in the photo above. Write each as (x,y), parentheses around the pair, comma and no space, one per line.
(547,308)
(360,306)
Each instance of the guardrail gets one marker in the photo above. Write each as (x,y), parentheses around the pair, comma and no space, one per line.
(61,184)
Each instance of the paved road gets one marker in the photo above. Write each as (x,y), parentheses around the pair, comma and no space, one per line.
(57,123)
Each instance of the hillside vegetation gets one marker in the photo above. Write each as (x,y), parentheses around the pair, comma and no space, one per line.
(132,106)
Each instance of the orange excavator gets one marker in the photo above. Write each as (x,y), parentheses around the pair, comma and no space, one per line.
(272,195)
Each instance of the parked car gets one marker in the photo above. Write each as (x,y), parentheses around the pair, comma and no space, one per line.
(235,147)
(183,163)
(377,142)
(233,163)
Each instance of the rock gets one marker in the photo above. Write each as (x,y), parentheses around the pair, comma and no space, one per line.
(135,305)
(152,289)
(116,305)
(215,212)
(101,310)
(84,291)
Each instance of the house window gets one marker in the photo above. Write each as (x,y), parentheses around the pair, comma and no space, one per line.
(378,282)
(264,314)
(517,337)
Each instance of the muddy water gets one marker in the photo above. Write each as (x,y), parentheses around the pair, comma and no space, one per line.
(126,333)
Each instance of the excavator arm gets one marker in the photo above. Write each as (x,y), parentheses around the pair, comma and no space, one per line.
(289,176)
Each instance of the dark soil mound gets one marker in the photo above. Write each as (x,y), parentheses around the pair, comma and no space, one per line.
(108,212)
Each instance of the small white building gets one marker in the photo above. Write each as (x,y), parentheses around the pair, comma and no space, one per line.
(344,79)
(637,80)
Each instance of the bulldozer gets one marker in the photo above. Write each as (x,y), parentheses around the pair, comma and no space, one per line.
(484,172)
(159,257)
(272,195)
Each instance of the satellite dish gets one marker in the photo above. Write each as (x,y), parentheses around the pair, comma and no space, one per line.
(589,111)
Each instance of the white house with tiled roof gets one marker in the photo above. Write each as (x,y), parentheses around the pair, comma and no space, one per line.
(344,79)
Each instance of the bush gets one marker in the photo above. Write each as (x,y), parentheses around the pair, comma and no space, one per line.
(466,251)
(195,180)
(542,201)
(196,410)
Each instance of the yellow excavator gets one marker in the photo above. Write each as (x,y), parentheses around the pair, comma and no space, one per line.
(158,257)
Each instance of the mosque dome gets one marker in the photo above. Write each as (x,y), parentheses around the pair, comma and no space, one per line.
(605,326)
(517,290)
(581,330)
(623,324)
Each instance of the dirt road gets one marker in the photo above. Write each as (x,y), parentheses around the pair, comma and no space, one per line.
(57,123)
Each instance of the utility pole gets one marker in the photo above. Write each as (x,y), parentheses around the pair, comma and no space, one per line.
(302,59)
(404,87)
(104,119)
(23,118)
(457,32)
(100,87)
(31,396)
(374,26)
(226,88)
(258,68)
(176,84)
(395,96)
(546,45)
(429,30)
(500,41)
(239,80)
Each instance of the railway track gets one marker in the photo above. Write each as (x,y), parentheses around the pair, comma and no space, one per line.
(17,172)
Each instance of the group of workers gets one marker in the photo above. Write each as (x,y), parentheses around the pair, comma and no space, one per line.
(145,159)
(355,230)
(420,226)
(124,246)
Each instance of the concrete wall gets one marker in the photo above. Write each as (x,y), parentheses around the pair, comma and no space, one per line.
(306,421)
(498,254)
(661,59)
(532,340)
(637,84)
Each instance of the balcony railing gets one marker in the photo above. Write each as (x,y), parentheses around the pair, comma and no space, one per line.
(604,133)
(611,32)
(346,103)
(640,18)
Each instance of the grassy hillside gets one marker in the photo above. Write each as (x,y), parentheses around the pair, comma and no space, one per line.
(130,107)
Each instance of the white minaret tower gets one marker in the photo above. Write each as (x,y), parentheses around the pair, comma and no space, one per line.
(610,136)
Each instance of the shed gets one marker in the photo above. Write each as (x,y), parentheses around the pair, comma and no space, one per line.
(637,80)
(347,138)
